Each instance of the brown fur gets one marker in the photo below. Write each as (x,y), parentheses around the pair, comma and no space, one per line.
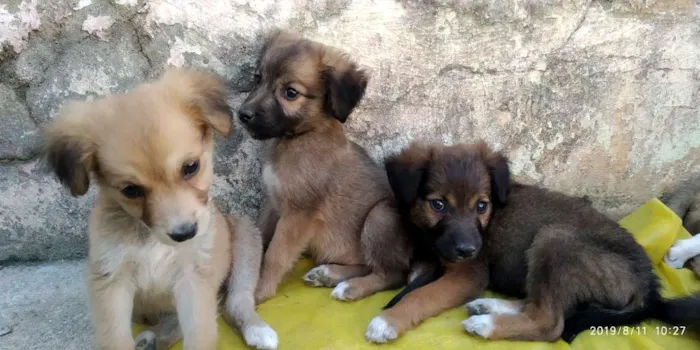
(553,251)
(157,244)
(684,200)
(459,283)
(324,192)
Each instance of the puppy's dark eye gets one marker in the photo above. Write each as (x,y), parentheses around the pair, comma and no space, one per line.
(438,205)
(133,191)
(256,79)
(290,93)
(481,207)
(190,169)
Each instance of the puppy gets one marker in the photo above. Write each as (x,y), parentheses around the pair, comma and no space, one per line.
(324,192)
(157,244)
(561,258)
(685,202)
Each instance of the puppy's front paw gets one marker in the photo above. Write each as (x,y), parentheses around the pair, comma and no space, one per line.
(319,276)
(481,325)
(261,337)
(380,331)
(677,255)
(491,306)
(146,340)
(343,291)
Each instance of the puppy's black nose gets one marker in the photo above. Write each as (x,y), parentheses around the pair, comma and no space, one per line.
(246,114)
(465,251)
(183,232)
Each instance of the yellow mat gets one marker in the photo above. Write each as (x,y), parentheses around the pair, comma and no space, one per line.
(308,318)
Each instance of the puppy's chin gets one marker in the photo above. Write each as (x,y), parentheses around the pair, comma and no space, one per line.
(259,132)
(261,135)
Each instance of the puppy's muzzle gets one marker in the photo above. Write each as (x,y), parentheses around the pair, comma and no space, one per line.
(246,114)
(183,232)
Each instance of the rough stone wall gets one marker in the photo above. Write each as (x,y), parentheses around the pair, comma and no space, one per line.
(588,97)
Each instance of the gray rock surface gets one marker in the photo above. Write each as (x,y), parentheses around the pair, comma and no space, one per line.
(44,306)
(18,134)
(596,98)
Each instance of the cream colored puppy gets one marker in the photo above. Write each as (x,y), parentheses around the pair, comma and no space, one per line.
(159,249)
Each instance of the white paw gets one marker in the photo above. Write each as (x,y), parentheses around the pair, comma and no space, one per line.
(380,331)
(481,325)
(146,340)
(261,337)
(317,276)
(678,254)
(339,292)
(491,306)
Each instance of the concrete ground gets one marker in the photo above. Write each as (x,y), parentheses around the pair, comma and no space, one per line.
(44,306)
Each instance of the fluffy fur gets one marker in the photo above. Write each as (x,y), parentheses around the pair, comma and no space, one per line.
(159,250)
(324,192)
(561,258)
(685,202)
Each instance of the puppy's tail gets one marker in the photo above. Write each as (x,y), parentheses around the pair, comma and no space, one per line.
(677,312)
(422,275)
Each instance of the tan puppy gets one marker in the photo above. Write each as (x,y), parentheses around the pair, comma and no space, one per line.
(158,244)
(324,192)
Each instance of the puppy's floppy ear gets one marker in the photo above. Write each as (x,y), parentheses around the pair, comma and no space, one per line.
(406,172)
(499,172)
(203,95)
(68,148)
(345,85)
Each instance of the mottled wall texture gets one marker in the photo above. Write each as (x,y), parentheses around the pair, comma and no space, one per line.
(597,98)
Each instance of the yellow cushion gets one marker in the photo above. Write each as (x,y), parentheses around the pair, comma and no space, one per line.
(308,318)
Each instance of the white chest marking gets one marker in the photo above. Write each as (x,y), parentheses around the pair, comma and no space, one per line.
(270,178)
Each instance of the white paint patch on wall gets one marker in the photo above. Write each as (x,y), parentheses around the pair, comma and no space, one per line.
(128,2)
(15,27)
(178,50)
(215,18)
(98,26)
(82,4)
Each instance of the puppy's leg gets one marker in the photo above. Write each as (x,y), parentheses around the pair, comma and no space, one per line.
(360,287)
(385,251)
(695,265)
(162,336)
(267,222)
(196,305)
(565,267)
(292,235)
(111,304)
(459,283)
(682,251)
(329,275)
(484,306)
(537,322)
(240,302)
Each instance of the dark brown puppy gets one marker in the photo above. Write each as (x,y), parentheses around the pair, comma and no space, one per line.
(324,192)
(561,257)
(445,218)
